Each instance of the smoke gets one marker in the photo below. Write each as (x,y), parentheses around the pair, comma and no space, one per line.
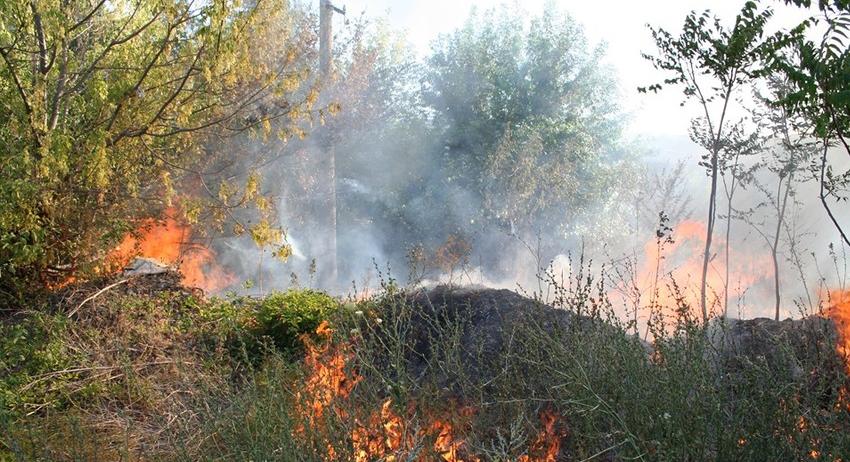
(406,210)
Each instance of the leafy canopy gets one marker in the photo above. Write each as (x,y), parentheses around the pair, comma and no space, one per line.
(106,103)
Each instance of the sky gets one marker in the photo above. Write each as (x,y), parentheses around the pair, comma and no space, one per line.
(619,24)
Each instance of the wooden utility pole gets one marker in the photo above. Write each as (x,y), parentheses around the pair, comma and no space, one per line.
(328,164)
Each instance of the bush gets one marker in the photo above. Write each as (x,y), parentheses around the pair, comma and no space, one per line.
(286,316)
(32,353)
(250,328)
(150,353)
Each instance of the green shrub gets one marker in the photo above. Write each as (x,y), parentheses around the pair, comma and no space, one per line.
(249,327)
(32,358)
(286,316)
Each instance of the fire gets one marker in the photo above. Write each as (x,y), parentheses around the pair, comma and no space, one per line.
(384,433)
(839,312)
(680,261)
(547,445)
(328,380)
(380,437)
(170,241)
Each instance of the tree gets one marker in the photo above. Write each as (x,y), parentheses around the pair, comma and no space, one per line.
(819,73)
(105,102)
(789,152)
(377,127)
(528,119)
(735,175)
(661,189)
(711,62)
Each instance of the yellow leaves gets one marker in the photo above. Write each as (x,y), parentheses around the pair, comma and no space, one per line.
(99,89)
(263,233)
(192,211)
(294,114)
(207,73)
(312,97)
(283,135)
(218,218)
(291,54)
(290,82)
(97,168)
(263,204)
(120,138)
(252,187)
(225,192)
(168,187)
(283,252)
(267,128)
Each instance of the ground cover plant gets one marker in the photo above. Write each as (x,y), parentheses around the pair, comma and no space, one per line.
(417,374)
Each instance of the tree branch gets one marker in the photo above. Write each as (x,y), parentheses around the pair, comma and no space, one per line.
(823,195)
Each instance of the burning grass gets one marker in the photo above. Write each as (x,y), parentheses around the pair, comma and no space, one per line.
(418,432)
(441,375)
(581,390)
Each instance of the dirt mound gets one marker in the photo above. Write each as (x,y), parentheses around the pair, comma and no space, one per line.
(459,333)
(781,346)
(483,326)
(133,362)
(143,279)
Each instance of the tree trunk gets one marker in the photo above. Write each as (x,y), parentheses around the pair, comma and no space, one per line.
(726,259)
(774,249)
(712,206)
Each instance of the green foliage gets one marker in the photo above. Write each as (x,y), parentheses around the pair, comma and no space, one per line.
(819,74)
(35,365)
(524,110)
(151,356)
(286,316)
(683,399)
(248,327)
(686,398)
(102,101)
(257,424)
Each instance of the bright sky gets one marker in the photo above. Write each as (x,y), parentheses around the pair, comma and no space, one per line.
(621,24)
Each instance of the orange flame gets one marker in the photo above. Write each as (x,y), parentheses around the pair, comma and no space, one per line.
(169,241)
(547,445)
(328,378)
(681,261)
(383,434)
(839,312)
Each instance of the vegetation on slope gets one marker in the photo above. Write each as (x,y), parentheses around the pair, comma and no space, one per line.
(157,373)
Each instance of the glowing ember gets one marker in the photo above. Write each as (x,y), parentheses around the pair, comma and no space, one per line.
(169,241)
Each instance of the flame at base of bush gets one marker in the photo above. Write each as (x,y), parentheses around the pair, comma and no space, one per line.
(383,433)
(169,241)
